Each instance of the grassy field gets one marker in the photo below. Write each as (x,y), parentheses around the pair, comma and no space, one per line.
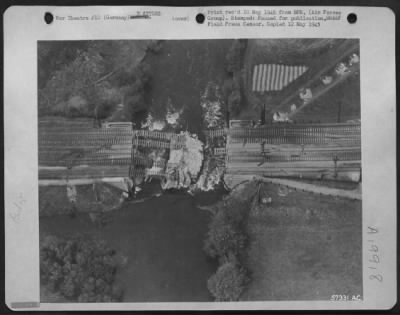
(304,247)
(161,241)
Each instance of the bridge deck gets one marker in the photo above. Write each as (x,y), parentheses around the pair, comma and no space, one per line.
(274,150)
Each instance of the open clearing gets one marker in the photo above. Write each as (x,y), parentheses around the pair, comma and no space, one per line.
(304,247)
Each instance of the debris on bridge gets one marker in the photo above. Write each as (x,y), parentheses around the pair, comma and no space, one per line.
(212,173)
(184,162)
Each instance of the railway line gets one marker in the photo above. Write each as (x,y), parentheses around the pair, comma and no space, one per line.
(277,150)
(66,152)
(294,150)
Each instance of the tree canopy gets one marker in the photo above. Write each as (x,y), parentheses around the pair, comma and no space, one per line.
(90,78)
(78,269)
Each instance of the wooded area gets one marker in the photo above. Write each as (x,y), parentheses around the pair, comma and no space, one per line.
(90,78)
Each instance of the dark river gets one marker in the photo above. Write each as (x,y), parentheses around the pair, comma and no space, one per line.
(162,239)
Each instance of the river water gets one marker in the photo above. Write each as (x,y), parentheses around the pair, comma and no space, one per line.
(162,241)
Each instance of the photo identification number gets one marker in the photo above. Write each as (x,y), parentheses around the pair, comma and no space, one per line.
(345,297)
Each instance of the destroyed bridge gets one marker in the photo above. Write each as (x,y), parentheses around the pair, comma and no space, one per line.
(71,152)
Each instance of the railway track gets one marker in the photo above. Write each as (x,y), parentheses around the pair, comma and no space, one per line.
(273,149)
(94,152)
(295,156)
(289,150)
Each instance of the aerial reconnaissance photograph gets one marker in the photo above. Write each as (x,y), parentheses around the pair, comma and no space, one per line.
(199,170)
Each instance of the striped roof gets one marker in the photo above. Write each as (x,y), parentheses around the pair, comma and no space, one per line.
(274,77)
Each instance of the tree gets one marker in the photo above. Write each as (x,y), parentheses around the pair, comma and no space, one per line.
(233,57)
(223,240)
(226,236)
(80,270)
(75,79)
(95,73)
(232,86)
(54,55)
(227,283)
(234,102)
